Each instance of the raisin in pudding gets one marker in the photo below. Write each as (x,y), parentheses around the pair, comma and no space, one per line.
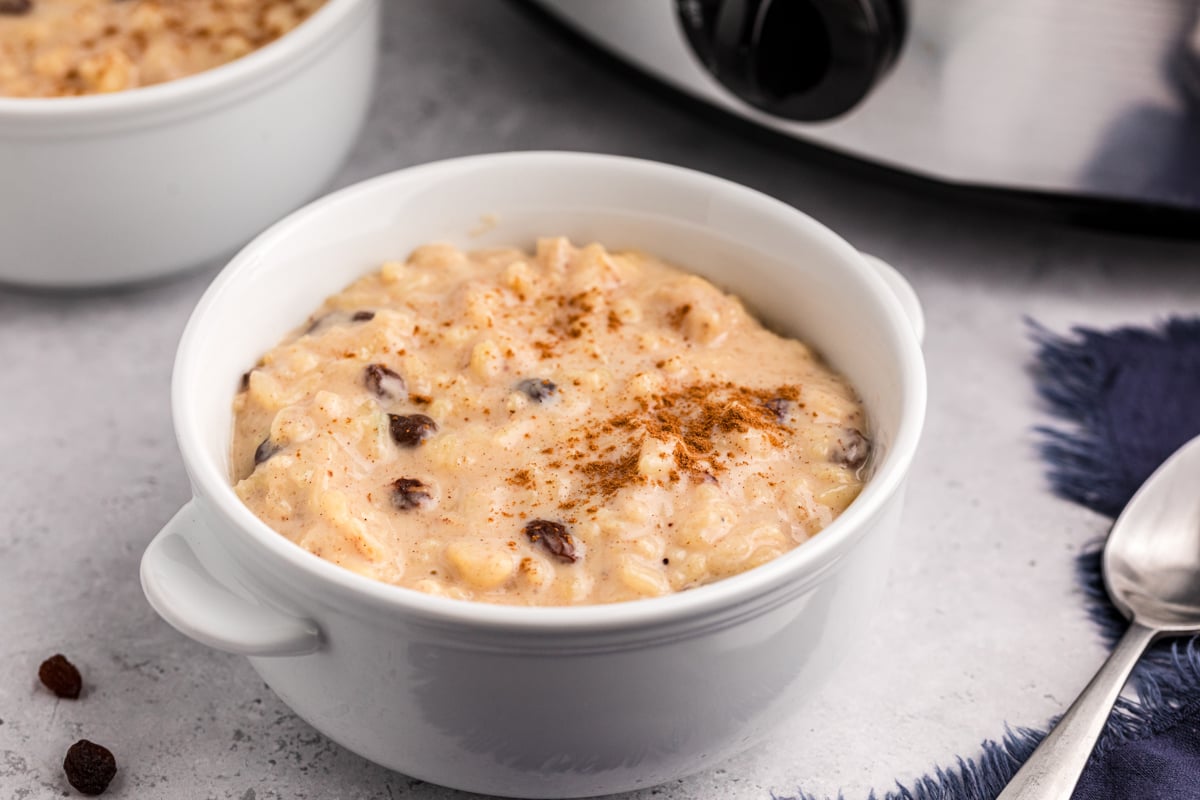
(55,48)
(564,427)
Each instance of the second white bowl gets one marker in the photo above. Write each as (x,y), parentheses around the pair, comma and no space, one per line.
(116,188)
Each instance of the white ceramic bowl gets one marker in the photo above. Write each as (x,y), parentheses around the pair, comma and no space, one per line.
(538,702)
(122,187)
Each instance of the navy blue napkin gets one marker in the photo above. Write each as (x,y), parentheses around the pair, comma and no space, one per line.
(1128,398)
(1131,397)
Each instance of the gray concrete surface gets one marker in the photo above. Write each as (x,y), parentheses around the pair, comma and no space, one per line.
(983,625)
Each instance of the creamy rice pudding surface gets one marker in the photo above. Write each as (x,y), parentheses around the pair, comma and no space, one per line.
(52,48)
(565,427)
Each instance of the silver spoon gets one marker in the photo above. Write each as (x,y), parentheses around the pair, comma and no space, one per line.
(1152,572)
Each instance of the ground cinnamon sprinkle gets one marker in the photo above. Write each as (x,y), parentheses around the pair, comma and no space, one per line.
(693,417)
(607,477)
(522,478)
(677,315)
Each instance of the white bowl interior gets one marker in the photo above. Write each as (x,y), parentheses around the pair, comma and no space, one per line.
(797,276)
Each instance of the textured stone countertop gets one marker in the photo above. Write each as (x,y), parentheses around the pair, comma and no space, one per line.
(983,625)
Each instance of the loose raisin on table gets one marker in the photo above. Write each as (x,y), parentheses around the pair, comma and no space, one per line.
(411,429)
(61,677)
(554,537)
(16,7)
(384,382)
(537,389)
(362,316)
(90,767)
(409,493)
(264,451)
(852,449)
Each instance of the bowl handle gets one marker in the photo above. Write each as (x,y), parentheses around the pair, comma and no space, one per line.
(187,595)
(903,292)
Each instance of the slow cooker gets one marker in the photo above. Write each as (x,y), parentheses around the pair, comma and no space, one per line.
(1086,105)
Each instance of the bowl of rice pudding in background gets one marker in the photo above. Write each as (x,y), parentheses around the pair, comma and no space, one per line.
(539,701)
(144,143)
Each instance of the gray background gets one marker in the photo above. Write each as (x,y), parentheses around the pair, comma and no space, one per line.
(982,625)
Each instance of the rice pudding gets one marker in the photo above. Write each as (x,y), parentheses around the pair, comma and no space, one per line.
(561,427)
(55,48)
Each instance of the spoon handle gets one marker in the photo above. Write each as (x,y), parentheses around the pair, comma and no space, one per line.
(1055,766)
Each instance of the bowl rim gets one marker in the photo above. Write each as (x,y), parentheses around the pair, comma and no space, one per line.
(791,571)
(190,88)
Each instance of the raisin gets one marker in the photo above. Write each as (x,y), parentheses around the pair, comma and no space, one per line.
(412,429)
(852,450)
(264,451)
(537,389)
(318,324)
(61,677)
(245,384)
(409,493)
(89,767)
(780,408)
(16,7)
(384,382)
(554,537)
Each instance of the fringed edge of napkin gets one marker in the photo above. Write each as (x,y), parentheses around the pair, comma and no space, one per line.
(1087,465)
(978,778)
(1084,467)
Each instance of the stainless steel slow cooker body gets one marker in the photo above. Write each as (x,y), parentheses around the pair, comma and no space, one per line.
(1096,101)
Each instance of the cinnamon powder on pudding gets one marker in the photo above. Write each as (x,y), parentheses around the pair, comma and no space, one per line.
(689,418)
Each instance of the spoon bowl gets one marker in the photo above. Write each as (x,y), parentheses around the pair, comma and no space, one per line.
(1152,556)
(1152,573)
